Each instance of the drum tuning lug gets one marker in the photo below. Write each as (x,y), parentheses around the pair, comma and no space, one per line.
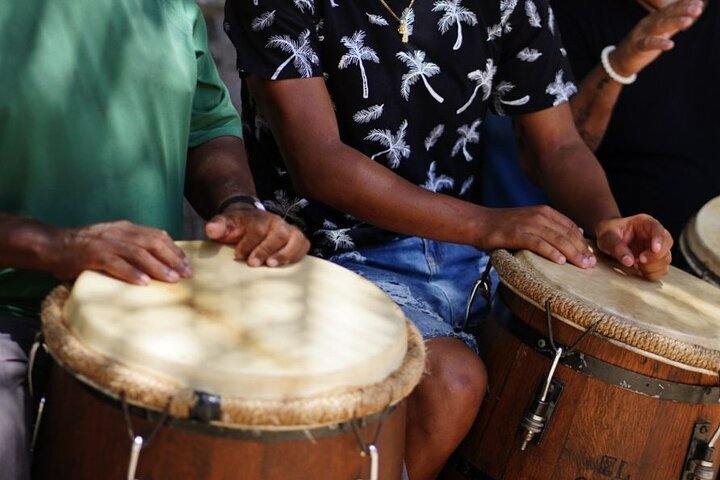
(374,462)
(137,445)
(699,461)
(38,421)
(542,407)
(534,422)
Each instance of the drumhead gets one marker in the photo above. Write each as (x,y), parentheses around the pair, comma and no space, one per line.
(677,318)
(240,331)
(700,241)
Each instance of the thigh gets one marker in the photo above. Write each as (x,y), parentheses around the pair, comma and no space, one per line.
(403,271)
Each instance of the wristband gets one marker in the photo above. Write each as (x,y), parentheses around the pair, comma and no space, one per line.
(246,199)
(604,59)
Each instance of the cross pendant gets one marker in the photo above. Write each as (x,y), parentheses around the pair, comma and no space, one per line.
(403,31)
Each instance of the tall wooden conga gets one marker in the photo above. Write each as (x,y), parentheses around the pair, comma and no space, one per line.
(620,381)
(239,372)
(700,242)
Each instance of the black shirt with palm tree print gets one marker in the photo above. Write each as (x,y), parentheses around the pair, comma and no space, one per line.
(414,107)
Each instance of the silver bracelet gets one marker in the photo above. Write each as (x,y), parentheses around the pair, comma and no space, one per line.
(605,60)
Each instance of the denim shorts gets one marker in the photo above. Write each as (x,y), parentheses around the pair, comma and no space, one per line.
(431,281)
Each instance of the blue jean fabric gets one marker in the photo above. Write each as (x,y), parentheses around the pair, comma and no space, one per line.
(431,281)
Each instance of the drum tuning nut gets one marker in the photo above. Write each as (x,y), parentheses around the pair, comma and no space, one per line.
(543,406)
(534,422)
(700,464)
(704,468)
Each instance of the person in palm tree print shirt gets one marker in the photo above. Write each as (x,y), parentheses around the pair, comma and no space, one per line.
(371,144)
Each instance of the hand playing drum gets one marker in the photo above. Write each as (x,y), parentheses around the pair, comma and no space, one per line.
(238,372)
(596,374)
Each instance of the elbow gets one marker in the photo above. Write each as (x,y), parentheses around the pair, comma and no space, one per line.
(314,172)
(305,185)
(311,181)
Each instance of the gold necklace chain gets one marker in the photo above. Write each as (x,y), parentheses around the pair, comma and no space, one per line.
(403,28)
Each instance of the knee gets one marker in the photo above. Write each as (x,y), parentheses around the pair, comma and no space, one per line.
(456,377)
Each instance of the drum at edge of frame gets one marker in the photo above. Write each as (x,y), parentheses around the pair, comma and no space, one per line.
(700,242)
(596,374)
(294,372)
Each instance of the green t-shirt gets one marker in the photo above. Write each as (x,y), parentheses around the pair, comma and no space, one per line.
(99,102)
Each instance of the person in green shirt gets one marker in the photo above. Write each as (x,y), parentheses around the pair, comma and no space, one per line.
(110,112)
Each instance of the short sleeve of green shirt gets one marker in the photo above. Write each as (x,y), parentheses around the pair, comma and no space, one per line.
(97,112)
(213,114)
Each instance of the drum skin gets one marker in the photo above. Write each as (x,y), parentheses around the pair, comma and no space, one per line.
(84,437)
(700,242)
(597,431)
(264,374)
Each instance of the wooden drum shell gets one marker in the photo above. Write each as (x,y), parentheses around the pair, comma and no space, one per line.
(83,436)
(597,430)
(188,350)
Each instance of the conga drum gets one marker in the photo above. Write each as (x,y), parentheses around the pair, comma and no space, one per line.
(237,373)
(700,242)
(596,374)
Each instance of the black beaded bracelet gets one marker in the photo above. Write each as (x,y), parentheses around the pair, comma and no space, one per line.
(247,199)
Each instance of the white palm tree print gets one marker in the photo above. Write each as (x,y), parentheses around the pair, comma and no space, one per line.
(396,148)
(529,54)
(483,80)
(286,208)
(335,237)
(562,91)
(434,136)
(357,53)
(263,21)
(435,182)
(303,4)
(301,53)
(468,134)
(418,68)
(532,14)
(454,14)
(507,7)
(502,89)
(367,115)
(466,185)
(377,20)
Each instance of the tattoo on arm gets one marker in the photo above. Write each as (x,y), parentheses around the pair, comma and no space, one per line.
(592,138)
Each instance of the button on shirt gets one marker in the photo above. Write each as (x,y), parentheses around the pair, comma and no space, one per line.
(414,107)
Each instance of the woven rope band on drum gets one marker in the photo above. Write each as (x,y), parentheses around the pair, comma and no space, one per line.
(152,392)
(527,284)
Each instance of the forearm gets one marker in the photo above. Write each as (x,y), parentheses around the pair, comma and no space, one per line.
(217,170)
(593,106)
(577,185)
(354,184)
(568,171)
(25,243)
(322,167)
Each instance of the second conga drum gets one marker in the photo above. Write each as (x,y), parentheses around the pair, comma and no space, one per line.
(289,373)
(700,242)
(620,381)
